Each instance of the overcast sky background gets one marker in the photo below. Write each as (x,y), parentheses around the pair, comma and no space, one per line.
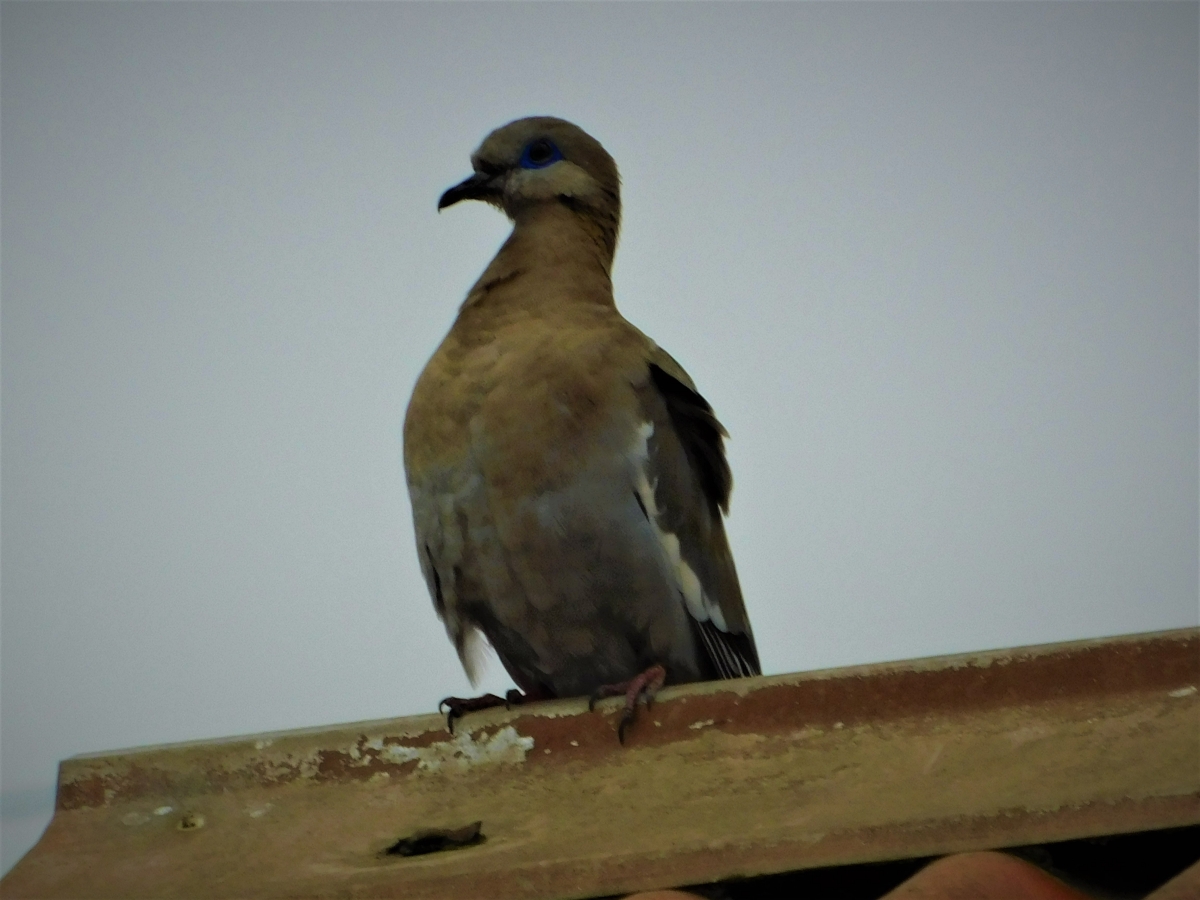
(935,266)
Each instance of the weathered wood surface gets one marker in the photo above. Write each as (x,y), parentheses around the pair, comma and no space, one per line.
(716,780)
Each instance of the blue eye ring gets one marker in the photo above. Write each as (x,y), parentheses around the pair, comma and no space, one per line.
(540,153)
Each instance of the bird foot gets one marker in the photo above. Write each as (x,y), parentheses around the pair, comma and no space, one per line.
(644,686)
(457,707)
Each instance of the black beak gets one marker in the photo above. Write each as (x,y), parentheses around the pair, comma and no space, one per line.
(478,187)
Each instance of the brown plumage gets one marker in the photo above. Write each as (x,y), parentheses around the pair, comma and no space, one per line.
(567,480)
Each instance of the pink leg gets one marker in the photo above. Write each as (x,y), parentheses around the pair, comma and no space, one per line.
(645,685)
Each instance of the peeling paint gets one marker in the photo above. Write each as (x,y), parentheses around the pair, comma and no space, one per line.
(804,734)
(464,751)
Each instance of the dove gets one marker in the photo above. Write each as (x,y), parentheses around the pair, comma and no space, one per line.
(568,482)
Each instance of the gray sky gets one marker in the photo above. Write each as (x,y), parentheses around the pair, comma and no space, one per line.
(935,266)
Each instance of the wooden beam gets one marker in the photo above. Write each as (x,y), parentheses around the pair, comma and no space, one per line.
(716,780)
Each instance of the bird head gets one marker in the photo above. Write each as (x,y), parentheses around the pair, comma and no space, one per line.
(542,160)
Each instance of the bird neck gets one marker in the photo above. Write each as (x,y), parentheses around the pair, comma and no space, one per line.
(569,250)
(565,232)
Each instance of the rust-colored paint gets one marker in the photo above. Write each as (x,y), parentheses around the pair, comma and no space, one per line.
(716,780)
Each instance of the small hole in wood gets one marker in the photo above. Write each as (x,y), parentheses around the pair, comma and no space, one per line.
(190,822)
(436,840)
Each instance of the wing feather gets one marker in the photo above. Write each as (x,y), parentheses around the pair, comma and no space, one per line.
(690,484)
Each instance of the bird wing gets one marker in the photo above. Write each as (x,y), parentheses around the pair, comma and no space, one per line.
(683,488)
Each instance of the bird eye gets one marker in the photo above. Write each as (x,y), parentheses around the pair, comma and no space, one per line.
(539,154)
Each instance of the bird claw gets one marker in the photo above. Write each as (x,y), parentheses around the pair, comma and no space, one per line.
(627,717)
(641,687)
(457,707)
